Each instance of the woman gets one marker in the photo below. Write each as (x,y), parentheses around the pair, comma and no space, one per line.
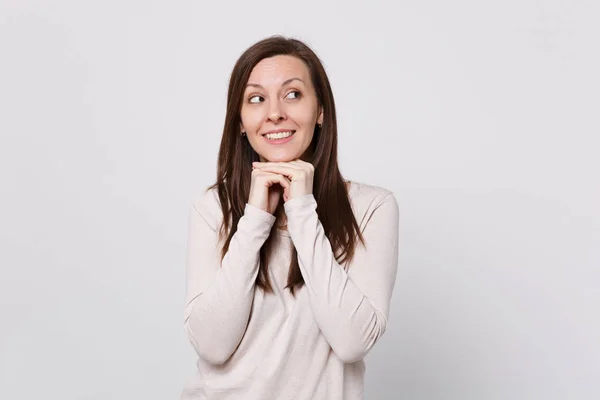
(290,268)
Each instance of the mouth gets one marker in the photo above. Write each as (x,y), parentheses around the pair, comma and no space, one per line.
(279,137)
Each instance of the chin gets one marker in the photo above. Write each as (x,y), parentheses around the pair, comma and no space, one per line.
(280,157)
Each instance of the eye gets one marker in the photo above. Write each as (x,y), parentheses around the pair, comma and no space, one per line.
(294,94)
(255,99)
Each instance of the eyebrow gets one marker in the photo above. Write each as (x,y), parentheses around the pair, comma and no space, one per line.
(256,85)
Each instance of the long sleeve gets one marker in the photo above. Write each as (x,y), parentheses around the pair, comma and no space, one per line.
(351,307)
(219,294)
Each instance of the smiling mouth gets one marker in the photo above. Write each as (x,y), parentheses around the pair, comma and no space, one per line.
(279,135)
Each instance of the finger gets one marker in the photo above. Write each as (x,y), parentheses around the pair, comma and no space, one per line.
(272,178)
(295,164)
(284,183)
(264,165)
(282,170)
(300,164)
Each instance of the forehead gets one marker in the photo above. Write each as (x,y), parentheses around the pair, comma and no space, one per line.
(277,69)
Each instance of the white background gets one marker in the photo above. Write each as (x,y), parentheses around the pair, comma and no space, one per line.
(482,118)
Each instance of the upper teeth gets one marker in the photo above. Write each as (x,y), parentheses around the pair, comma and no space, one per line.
(278,135)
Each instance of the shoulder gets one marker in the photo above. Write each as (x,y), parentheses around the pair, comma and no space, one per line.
(363,195)
(206,204)
(367,199)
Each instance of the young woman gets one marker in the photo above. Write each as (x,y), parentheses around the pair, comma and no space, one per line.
(290,268)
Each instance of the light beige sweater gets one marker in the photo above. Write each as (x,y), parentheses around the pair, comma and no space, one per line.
(256,345)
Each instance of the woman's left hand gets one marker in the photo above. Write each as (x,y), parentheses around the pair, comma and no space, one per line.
(299,173)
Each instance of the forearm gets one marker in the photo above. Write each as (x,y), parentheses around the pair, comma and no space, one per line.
(348,319)
(216,318)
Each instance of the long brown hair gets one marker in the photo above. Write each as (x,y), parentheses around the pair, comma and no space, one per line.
(234,167)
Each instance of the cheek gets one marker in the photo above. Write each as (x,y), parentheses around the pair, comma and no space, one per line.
(306,117)
(249,119)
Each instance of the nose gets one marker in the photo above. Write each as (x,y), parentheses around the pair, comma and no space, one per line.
(276,112)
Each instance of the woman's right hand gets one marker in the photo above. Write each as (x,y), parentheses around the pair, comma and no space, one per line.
(266,189)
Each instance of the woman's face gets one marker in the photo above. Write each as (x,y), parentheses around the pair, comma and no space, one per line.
(280,109)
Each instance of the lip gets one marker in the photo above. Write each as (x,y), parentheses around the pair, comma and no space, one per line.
(278,131)
(279,141)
